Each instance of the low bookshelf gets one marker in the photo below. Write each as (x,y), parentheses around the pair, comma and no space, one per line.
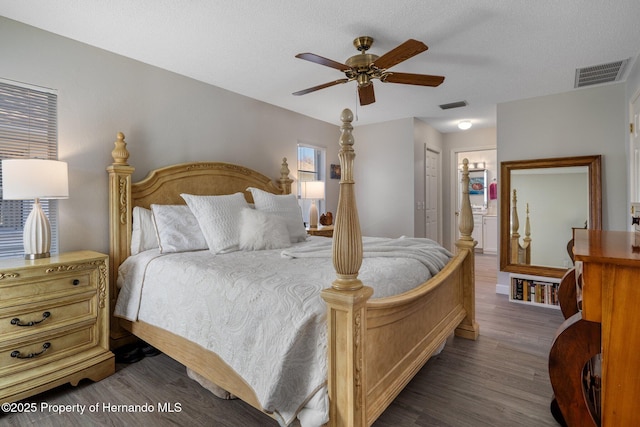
(534,290)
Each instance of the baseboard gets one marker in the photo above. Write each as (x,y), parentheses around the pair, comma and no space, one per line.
(502,289)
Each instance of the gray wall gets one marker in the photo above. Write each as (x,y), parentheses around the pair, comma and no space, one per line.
(581,122)
(166,118)
(384,175)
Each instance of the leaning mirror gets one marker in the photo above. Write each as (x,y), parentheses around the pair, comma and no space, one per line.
(541,202)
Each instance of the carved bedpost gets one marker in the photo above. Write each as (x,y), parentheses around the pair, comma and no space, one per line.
(515,234)
(119,225)
(285,181)
(526,242)
(346,299)
(468,328)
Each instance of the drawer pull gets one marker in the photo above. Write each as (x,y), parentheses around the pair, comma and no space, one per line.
(17,354)
(76,282)
(16,321)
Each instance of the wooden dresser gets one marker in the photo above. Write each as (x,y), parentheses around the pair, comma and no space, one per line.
(54,323)
(610,266)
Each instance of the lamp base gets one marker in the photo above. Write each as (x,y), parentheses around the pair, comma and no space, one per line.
(37,256)
(37,233)
(313,215)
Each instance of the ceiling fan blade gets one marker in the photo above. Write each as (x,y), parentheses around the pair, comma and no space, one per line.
(413,79)
(322,86)
(366,94)
(323,61)
(401,53)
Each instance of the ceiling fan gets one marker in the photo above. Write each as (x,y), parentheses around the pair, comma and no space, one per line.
(364,67)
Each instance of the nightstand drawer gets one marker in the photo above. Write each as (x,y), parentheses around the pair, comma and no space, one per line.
(17,289)
(20,321)
(33,353)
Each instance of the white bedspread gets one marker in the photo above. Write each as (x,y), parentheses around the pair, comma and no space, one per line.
(261,311)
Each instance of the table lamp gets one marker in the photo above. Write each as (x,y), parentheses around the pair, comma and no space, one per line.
(313,190)
(26,179)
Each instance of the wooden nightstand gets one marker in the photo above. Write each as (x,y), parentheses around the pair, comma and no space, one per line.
(326,231)
(54,323)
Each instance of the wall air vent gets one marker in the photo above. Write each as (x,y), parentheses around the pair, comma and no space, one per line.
(597,74)
(453,105)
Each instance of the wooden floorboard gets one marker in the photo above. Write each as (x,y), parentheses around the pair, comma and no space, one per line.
(499,380)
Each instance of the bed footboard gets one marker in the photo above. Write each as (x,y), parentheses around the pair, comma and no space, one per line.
(377,346)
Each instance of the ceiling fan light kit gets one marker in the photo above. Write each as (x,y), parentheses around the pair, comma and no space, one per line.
(364,67)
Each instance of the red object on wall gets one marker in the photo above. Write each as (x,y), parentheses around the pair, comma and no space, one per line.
(493,190)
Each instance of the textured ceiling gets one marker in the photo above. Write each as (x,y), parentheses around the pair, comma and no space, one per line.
(489,51)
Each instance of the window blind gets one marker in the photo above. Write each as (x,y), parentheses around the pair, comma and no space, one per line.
(28,129)
(311,162)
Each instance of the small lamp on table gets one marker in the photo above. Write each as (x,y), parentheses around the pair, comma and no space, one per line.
(313,190)
(25,179)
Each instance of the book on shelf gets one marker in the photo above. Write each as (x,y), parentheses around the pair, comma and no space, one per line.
(534,290)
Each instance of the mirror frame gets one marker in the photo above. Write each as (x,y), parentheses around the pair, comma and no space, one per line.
(595,206)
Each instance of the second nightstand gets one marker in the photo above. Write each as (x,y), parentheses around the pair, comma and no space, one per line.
(326,231)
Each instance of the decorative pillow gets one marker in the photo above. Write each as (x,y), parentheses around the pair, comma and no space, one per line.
(178,230)
(219,219)
(285,206)
(143,231)
(261,230)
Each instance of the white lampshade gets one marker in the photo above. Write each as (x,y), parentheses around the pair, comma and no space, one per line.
(313,190)
(24,179)
(464,125)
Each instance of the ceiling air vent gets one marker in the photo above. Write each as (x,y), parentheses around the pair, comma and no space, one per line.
(597,74)
(453,105)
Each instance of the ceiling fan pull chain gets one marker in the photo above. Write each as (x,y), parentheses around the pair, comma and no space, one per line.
(357,103)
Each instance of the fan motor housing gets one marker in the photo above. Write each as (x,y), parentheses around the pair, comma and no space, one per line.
(361,62)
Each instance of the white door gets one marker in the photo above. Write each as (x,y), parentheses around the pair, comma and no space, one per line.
(634,158)
(431,185)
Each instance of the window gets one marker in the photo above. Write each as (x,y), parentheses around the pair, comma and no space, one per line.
(28,129)
(311,166)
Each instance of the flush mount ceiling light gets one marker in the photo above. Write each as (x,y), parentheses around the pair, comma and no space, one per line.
(464,124)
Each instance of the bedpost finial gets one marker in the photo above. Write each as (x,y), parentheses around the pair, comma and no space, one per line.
(346,116)
(285,181)
(284,169)
(120,153)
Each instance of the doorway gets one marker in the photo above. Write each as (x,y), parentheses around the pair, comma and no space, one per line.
(432,194)
(481,158)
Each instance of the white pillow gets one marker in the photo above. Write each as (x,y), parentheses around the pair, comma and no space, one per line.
(219,219)
(285,206)
(143,231)
(177,229)
(260,230)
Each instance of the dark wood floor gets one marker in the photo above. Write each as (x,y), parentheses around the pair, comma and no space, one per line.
(499,380)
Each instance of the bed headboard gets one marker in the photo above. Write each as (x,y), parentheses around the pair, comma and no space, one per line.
(164,186)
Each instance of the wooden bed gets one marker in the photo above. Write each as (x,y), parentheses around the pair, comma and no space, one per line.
(375,346)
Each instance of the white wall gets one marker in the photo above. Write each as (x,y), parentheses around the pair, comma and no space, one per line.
(166,118)
(580,122)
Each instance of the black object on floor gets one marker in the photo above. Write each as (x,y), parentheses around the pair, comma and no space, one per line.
(149,350)
(135,352)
